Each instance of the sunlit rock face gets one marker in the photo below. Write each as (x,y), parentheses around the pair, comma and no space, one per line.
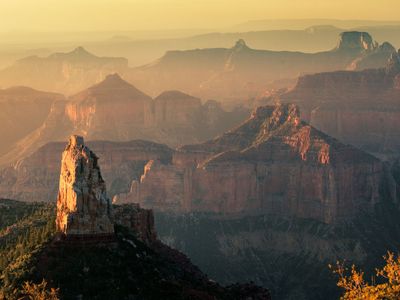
(272,164)
(83,207)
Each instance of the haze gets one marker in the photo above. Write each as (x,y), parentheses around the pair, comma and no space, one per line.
(94,15)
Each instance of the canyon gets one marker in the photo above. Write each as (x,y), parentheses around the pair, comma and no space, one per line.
(115,110)
(134,263)
(227,74)
(265,166)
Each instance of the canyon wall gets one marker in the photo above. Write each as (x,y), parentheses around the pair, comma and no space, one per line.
(360,108)
(271,164)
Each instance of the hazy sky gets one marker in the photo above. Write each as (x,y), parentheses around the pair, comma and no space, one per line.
(46,15)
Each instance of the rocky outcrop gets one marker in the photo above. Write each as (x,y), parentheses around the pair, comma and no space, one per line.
(83,207)
(139,220)
(360,108)
(240,72)
(265,166)
(65,73)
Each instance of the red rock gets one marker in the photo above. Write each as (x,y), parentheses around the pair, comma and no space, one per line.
(83,207)
(271,164)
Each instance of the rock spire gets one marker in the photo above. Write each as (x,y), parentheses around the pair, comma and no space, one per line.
(83,207)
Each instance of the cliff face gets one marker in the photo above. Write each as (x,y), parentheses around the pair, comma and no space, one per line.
(83,207)
(271,164)
(360,108)
(115,110)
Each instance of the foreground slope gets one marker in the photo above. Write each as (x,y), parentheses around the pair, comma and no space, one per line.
(91,255)
(129,267)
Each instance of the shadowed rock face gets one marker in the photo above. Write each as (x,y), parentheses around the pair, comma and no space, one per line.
(356,40)
(22,110)
(272,164)
(83,207)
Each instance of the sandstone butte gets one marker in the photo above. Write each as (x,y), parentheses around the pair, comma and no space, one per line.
(83,207)
(273,163)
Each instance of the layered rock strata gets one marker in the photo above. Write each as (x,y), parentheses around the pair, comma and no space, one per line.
(272,164)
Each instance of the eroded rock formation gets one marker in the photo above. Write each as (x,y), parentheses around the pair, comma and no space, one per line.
(115,110)
(361,108)
(271,164)
(83,207)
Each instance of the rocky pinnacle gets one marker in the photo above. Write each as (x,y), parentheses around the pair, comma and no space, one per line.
(83,207)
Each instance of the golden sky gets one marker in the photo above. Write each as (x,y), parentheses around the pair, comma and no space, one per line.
(53,15)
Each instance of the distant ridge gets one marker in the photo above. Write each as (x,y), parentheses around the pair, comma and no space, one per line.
(242,72)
